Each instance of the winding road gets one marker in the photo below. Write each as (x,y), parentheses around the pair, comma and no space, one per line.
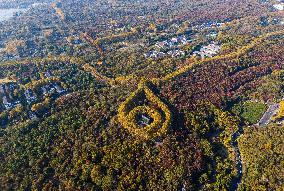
(239,162)
(266,118)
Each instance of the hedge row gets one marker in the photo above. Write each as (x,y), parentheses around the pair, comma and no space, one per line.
(127,113)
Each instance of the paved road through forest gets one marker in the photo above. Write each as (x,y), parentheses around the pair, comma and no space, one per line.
(272,110)
(239,162)
(266,118)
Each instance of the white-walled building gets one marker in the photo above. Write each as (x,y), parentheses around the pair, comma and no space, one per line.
(279,7)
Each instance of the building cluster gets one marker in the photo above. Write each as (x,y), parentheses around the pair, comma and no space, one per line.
(30,96)
(9,101)
(279,7)
(212,34)
(172,53)
(208,25)
(144,121)
(169,47)
(173,42)
(51,88)
(172,47)
(208,51)
(5,91)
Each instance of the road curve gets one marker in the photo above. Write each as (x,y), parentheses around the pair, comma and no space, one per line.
(239,162)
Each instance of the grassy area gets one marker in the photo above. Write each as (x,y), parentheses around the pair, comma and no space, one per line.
(251,112)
